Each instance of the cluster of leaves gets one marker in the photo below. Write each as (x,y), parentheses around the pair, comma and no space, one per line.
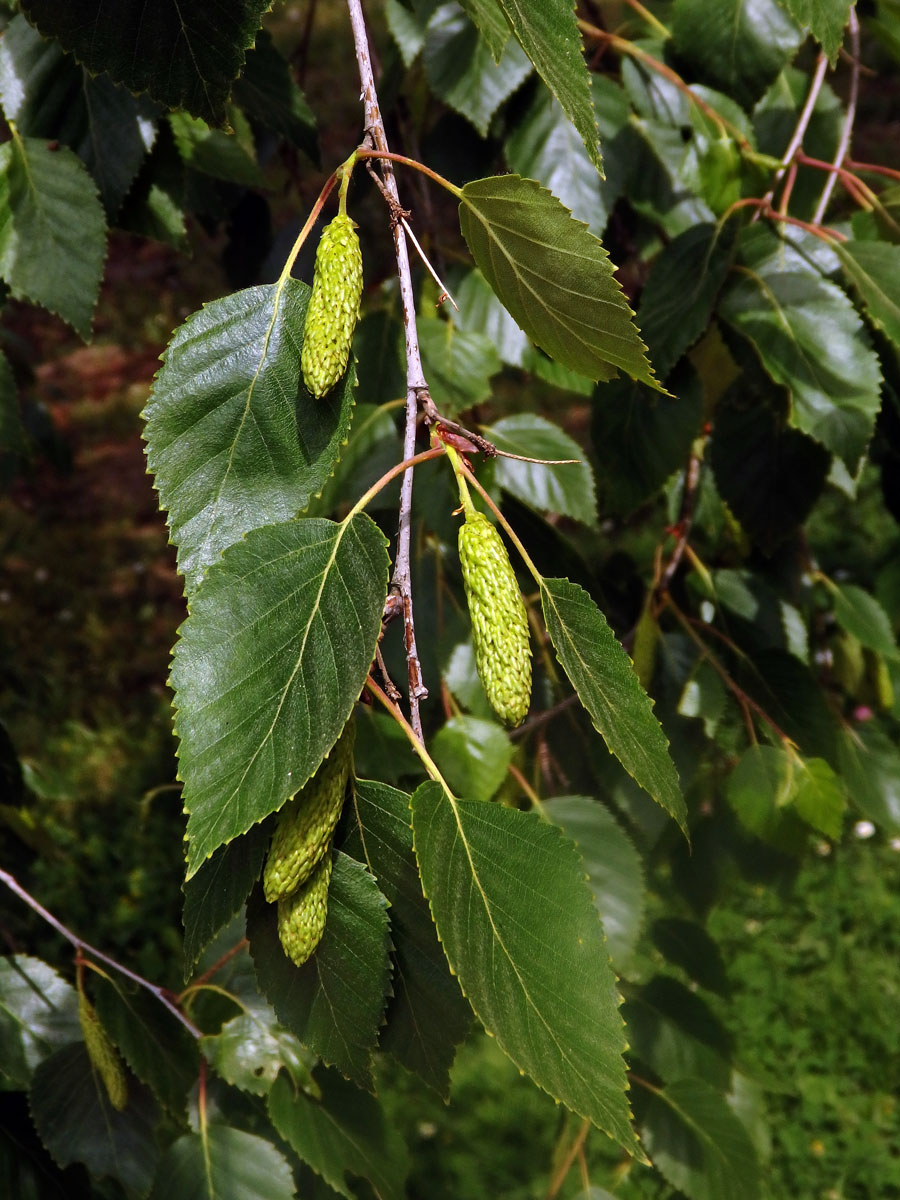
(773,389)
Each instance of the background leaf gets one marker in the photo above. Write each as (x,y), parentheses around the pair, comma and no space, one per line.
(613,866)
(38,1014)
(698,1143)
(184,58)
(492,26)
(52,230)
(567,490)
(473,754)
(76,1122)
(680,293)
(512,933)
(545,146)
(427,1017)
(857,611)
(641,437)
(220,886)
(223,1164)
(607,686)
(251,739)
(460,67)
(548,33)
(233,437)
(50,96)
(825,20)
(874,269)
(266,91)
(737,45)
(334,1002)
(809,339)
(159,1050)
(553,276)
(344,1133)
(770,476)
(458,364)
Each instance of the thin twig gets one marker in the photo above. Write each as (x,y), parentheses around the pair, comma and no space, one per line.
(847,130)
(683,525)
(445,291)
(81,947)
(799,130)
(649,17)
(565,1166)
(401,581)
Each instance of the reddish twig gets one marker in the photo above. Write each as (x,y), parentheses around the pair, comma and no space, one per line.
(843,145)
(83,947)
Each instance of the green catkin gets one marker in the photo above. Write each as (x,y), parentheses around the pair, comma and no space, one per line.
(499,620)
(301,916)
(305,824)
(102,1053)
(333,306)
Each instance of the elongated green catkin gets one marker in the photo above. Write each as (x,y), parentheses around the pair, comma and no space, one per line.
(301,916)
(333,306)
(102,1053)
(499,620)
(305,824)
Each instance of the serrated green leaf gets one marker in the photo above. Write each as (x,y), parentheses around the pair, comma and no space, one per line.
(553,275)
(770,476)
(52,230)
(810,340)
(870,767)
(760,790)
(215,152)
(157,1048)
(681,290)
(641,437)
(825,19)
(515,917)
(473,755)
(233,437)
(250,1050)
(185,57)
(699,1145)
(458,365)
(335,1001)
(305,599)
(218,889)
(613,867)
(344,1133)
(49,96)
(488,18)
(548,33)
(874,269)
(38,1014)
(567,490)
(266,91)
(427,1017)
(544,145)
(738,45)
(221,1163)
(603,676)
(460,67)
(819,798)
(76,1122)
(857,611)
